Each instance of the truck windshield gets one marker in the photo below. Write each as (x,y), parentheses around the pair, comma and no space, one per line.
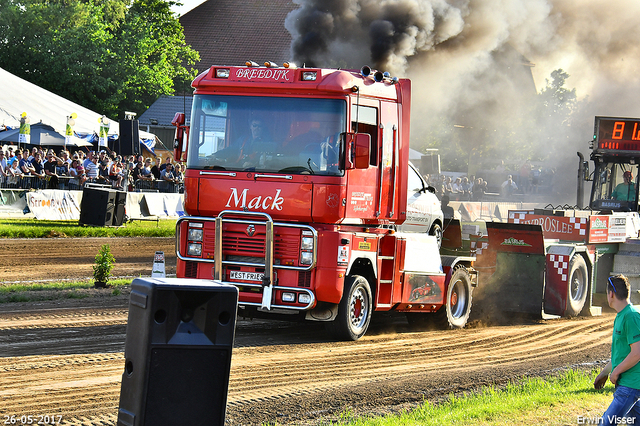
(614,186)
(267,134)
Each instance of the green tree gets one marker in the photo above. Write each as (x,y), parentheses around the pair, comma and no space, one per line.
(109,56)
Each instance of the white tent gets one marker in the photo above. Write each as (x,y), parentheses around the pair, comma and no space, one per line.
(20,96)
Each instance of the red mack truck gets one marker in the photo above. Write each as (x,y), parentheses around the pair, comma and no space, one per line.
(299,191)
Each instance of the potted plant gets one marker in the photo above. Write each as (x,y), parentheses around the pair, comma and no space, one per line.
(103,266)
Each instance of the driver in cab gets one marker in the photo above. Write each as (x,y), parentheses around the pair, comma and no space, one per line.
(625,191)
(246,150)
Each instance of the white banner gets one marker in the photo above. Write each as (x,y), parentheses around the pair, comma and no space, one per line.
(52,204)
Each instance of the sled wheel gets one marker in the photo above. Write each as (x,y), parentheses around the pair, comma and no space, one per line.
(354,310)
(577,286)
(457,307)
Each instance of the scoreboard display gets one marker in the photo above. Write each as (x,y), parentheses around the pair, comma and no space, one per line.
(616,134)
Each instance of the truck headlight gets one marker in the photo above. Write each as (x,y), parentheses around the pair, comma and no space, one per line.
(194,249)
(306,258)
(195,234)
(304,298)
(306,243)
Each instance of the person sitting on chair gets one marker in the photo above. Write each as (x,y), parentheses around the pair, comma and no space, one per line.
(625,191)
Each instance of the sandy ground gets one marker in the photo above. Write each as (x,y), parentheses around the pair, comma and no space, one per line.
(65,357)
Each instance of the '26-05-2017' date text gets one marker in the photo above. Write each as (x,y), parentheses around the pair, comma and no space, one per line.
(39,419)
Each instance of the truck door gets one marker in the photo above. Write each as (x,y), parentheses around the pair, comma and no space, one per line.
(362,186)
(388,161)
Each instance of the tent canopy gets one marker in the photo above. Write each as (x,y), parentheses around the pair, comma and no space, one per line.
(46,107)
(42,134)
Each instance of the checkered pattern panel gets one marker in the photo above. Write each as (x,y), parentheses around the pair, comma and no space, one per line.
(560,265)
(517,217)
(580,223)
(479,244)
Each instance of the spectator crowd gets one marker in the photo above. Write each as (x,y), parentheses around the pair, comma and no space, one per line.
(459,188)
(40,169)
(506,183)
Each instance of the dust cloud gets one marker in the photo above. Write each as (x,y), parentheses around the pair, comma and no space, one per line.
(471,63)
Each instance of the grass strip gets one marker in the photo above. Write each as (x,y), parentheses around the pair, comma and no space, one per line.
(566,399)
(30,292)
(33,228)
(69,285)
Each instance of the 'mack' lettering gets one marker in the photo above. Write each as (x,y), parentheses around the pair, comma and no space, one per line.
(269,202)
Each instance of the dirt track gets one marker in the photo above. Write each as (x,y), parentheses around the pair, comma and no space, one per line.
(60,358)
(72,258)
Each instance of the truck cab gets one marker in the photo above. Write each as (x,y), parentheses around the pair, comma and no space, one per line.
(297,181)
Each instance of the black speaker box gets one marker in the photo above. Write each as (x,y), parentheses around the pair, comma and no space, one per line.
(97,206)
(177,352)
(119,208)
(129,138)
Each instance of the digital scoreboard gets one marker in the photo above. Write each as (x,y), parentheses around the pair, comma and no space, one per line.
(616,134)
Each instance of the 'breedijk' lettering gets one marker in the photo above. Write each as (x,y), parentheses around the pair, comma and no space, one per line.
(259,202)
(263,74)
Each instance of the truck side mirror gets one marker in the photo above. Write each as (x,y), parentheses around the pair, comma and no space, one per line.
(358,150)
(585,170)
(178,121)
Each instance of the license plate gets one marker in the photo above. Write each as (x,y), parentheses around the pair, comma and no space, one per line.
(246,276)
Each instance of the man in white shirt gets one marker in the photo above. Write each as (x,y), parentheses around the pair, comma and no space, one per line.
(91,168)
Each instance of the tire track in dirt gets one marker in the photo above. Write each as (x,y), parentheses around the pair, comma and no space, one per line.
(64,319)
(85,388)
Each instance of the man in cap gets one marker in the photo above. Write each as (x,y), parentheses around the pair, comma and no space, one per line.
(625,191)
(623,370)
(50,170)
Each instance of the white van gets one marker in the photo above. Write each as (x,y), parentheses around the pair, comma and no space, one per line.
(424,211)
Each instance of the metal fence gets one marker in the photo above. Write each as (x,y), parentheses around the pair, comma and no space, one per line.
(74,183)
(158,186)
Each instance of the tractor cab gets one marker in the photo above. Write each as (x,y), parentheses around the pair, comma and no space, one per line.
(616,155)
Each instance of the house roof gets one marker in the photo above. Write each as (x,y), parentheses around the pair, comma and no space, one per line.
(229,32)
(164,109)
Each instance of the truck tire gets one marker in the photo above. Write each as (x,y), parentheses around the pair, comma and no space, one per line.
(457,306)
(354,310)
(436,231)
(578,286)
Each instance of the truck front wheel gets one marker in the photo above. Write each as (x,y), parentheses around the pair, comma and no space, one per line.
(354,310)
(577,286)
(457,305)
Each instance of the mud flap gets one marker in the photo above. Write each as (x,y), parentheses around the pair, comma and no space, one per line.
(558,259)
(510,272)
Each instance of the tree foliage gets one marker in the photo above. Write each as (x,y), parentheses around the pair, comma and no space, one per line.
(108,56)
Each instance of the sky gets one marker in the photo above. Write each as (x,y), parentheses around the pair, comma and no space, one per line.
(187,5)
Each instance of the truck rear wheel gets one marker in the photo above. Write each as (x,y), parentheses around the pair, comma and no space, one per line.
(457,305)
(354,310)
(578,286)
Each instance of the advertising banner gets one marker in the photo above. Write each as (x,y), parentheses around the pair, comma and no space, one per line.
(54,205)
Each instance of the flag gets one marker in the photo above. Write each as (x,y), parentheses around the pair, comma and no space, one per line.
(104,131)
(25,130)
(68,134)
